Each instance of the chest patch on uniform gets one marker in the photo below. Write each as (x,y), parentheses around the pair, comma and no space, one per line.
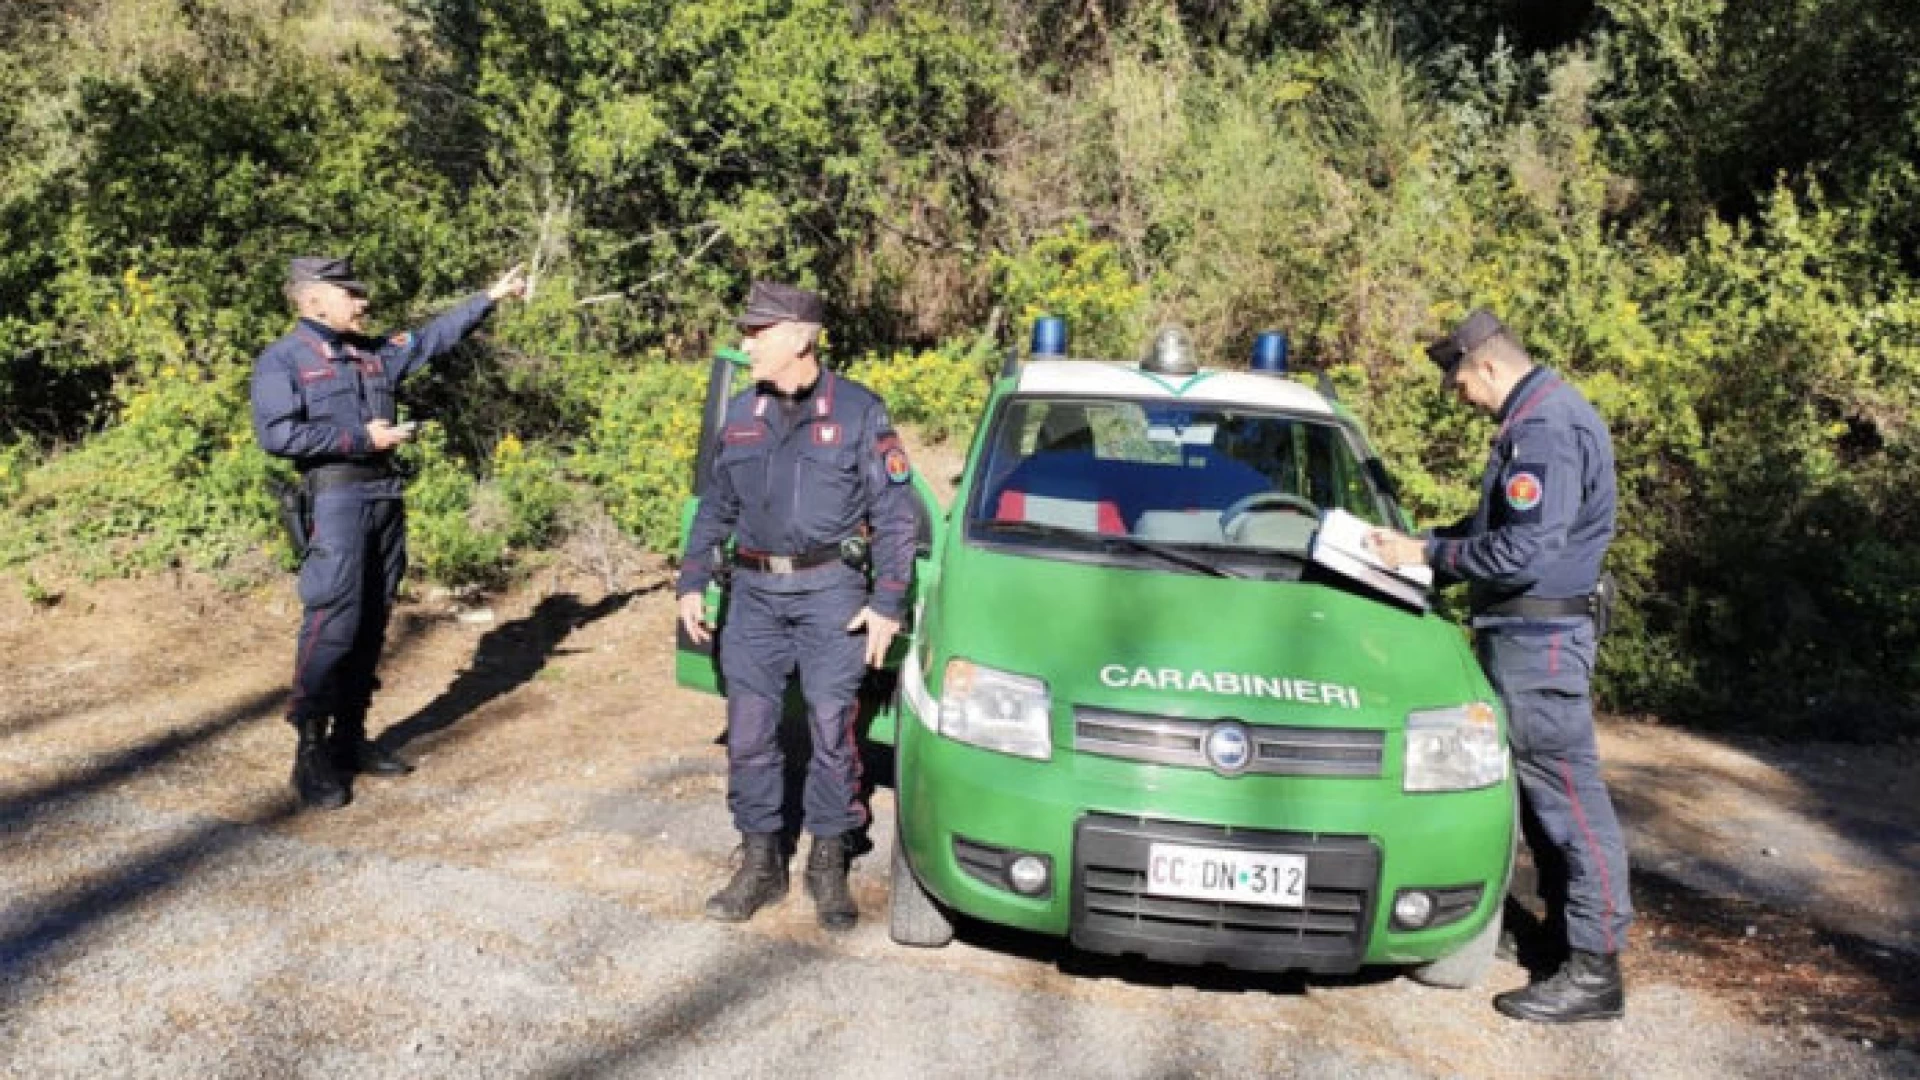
(827,434)
(742,434)
(894,456)
(314,375)
(1526,487)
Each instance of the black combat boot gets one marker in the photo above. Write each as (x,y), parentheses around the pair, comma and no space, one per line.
(353,752)
(760,880)
(827,883)
(314,777)
(1587,987)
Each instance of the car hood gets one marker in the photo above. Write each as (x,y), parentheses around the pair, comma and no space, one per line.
(1183,644)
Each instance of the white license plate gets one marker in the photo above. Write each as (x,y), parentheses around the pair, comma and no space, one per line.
(1239,877)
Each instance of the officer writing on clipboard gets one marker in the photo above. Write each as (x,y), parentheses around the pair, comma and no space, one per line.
(1531,554)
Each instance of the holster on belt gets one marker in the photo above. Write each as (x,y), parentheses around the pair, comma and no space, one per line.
(296,514)
(720,565)
(1605,592)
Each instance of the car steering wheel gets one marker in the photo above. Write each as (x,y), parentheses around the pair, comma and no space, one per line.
(1261,501)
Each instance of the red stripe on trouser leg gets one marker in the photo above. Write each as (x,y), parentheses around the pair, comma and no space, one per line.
(856,808)
(306,654)
(1593,852)
(1553,655)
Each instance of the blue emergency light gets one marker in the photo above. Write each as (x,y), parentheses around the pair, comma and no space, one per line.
(1050,336)
(1270,348)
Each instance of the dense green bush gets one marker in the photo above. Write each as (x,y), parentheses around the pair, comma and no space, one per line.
(639,450)
(176,482)
(940,391)
(1703,213)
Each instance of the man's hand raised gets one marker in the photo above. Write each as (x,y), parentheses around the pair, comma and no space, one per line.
(513,283)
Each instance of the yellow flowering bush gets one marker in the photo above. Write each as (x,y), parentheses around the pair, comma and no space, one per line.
(940,391)
(640,447)
(1084,280)
(530,479)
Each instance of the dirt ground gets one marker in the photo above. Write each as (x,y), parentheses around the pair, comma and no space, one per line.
(168,912)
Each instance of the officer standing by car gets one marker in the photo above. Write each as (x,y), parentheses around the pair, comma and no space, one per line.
(1531,554)
(810,481)
(323,396)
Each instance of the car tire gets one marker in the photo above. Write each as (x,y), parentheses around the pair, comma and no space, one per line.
(913,917)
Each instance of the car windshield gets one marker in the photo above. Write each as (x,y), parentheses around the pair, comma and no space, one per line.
(1196,475)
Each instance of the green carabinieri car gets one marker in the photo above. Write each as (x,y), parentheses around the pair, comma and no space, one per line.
(1155,698)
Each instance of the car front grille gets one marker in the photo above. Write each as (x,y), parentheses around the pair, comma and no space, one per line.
(1277,751)
(1112,912)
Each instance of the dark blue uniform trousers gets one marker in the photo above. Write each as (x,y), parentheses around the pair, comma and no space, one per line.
(355,559)
(1542,672)
(768,635)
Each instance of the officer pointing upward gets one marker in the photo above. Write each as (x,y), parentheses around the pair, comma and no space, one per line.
(807,466)
(1531,555)
(323,396)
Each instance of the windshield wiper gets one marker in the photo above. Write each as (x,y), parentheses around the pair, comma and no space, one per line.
(1110,541)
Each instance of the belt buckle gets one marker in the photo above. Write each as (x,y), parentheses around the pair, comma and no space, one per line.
(780,564)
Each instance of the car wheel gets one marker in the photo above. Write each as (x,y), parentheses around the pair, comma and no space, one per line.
(913,917)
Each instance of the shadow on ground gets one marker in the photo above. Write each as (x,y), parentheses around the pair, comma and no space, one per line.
(1782,967)
(506,658)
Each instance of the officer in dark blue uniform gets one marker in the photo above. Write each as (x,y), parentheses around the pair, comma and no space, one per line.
(323,396)
(1531,555)
(810,481)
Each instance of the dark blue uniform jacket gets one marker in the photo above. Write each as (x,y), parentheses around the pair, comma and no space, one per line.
(1546,501)
(792,476)
(315,390)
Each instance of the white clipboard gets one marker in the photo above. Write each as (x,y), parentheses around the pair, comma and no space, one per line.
(1340,545)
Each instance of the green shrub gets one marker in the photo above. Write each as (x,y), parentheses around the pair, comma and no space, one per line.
(16,461)
(639,450)
(530,479)
(443,539)
(176,483)
(1072,274)
(939,391)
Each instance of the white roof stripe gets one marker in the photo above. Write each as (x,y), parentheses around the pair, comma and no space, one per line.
(1101,378)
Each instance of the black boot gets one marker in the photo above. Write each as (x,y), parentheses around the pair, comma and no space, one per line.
(314,777)
(827,883)
(353,752)
(1587,987)
(760,880)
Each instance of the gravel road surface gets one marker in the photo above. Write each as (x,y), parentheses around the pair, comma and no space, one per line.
(528,902)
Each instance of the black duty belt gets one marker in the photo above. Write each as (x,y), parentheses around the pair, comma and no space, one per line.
(1538,607)
(766,562)
(326,477)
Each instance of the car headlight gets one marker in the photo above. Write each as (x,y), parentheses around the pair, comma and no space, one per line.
(1454,749)
(996,710)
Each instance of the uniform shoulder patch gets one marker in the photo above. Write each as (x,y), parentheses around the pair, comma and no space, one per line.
(894,456)
(1525,489)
